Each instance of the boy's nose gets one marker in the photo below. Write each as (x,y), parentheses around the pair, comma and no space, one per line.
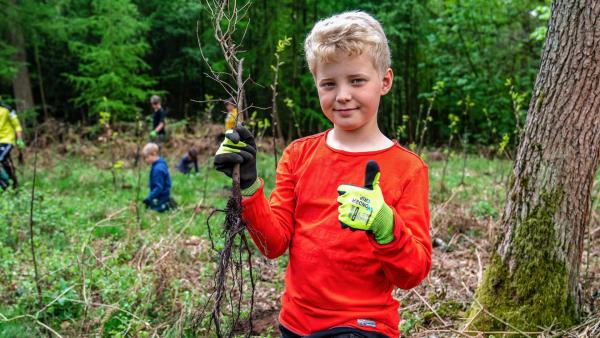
(343,95)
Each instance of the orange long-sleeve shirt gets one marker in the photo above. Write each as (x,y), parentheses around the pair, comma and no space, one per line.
(337,277)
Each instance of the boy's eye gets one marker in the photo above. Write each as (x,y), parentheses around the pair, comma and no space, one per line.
(327,84)
(357,81)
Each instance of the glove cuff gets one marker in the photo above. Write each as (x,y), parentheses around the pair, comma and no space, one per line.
(383,225)
(249,191)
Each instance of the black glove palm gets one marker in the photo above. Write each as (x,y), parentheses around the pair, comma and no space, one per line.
(238,147)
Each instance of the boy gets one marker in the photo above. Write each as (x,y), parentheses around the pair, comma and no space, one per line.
(339,282)
(189,161)
(158,119)
(9,128)
(160,181)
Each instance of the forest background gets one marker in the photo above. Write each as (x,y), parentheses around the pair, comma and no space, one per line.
(471,62)
(81,73)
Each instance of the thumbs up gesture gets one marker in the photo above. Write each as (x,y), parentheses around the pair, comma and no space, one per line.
(363,208)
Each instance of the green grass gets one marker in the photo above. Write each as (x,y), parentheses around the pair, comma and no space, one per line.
(84,225)
(90,246)
(482,190)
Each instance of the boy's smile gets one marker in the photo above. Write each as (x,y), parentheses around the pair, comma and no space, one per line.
(349,90)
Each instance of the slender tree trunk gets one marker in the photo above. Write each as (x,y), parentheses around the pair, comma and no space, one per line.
(532,279)
(21,83)
(40,77)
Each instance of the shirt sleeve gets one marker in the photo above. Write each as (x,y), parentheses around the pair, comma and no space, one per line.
(162,115)
(14,121)
(271,224)
(159,182)
(407,259)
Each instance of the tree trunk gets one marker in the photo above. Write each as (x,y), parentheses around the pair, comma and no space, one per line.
(21,83)
(40,77)
(532,279)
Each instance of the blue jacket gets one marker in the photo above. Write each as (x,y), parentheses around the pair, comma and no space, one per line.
(160,186)
(186,164)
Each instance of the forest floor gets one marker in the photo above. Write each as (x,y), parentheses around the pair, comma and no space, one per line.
(109,268)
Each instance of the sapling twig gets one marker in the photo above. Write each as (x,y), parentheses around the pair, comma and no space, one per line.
(225,17)
(31,236)
(437,88)
(138,141)
(454,120)
(275,127)
(468,104)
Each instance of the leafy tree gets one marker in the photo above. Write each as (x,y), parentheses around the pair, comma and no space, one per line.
(110,46)
(475,47)
(173,55)
(8,67)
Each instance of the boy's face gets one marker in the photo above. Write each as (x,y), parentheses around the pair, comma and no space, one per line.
(349,91)
(229,107)
(150,158)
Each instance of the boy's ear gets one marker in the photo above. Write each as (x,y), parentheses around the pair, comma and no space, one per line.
(387,81)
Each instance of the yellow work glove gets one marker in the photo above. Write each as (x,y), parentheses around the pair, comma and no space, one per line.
(363,208)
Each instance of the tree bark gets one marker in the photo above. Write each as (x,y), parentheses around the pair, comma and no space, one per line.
(21,83)
(532,279)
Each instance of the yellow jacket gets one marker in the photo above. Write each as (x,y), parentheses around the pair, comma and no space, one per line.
(230,119)
(9,125)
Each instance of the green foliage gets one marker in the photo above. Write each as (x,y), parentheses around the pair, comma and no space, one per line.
(503,144)
(109,44)
(542,13)
(107,49)
(89,247)
(283,44)
(8,68)
(258,125)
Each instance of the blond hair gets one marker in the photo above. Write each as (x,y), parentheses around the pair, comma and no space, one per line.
(155,99)
(351,33)
(150,149)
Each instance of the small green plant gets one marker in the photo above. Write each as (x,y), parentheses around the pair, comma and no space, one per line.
(260,126)
(105,122)
(453,126)
(209,108)
(484,209)
(503,144)
(517,99)
(468,105)
(422,125)
(289,103)
(276,128)
(401,130)
(410,321)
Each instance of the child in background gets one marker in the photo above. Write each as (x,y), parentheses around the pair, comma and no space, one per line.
(338,282)
(11,134)
(189,161)
(232,113)
(158,119)
(159,197)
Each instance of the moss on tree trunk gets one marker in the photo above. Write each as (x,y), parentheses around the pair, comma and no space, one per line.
(534,295)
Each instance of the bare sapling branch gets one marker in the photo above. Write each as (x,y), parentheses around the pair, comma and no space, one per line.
(230,287)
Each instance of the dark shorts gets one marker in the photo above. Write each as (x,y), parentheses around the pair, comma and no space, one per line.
(7,171)
(5,151)
(338,332)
